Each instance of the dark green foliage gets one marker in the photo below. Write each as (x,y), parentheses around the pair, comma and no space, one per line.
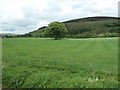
(92,28)
(88,27)
(55,30)
(26,35)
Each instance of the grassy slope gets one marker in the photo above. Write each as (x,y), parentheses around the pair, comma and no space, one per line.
(62,63)
(92,25)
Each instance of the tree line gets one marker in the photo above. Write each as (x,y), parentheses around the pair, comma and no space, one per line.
(58,30)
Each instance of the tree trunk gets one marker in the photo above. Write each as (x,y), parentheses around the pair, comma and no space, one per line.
(56,38)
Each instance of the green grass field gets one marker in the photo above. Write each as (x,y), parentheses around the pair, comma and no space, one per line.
(67,63)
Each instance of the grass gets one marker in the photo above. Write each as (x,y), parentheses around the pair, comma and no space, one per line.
(87,27)
(67,63)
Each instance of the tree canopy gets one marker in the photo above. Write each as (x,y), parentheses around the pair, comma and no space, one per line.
(56,30)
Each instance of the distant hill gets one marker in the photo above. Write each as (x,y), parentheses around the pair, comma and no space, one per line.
(9,35)
(87,27)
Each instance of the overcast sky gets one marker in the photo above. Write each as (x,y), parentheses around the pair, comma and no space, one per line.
(23,16)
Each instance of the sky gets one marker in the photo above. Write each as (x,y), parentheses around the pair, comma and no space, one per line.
(23,16)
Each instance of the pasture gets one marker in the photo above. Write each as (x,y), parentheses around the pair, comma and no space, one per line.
(66,63)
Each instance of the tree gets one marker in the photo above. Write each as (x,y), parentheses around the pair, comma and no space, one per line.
(55,30)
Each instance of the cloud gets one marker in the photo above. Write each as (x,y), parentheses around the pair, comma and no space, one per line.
(119,9)
(23,16)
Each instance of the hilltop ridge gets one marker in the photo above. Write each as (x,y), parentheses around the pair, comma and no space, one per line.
(99,26)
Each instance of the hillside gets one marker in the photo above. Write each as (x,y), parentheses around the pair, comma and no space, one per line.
(87,27)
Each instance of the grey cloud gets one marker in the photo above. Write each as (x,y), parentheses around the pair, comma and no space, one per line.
(119,8)
(27,23)
(53,7)
(30,12)
(76,6)
(16,29)
(21,26)
(7,27)
(33,17)
(24,22)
